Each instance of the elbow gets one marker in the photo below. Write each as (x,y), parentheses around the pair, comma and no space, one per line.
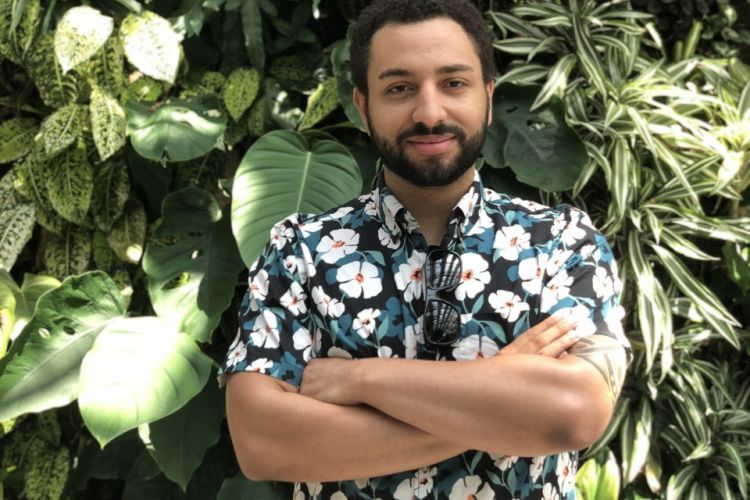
(259,464)
(586,420)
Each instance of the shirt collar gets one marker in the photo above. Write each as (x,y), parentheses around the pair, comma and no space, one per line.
(399,221)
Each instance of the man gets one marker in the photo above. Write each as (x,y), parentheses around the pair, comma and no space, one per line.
(420,340)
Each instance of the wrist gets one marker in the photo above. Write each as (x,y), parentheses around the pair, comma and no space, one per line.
(357,385)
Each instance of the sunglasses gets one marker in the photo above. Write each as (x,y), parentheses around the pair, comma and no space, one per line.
(441,322)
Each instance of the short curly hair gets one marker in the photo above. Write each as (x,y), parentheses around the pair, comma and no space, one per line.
(382,12)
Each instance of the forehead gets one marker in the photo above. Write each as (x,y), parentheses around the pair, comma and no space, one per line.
(421,46)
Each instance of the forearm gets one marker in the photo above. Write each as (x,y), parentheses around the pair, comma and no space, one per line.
(524,405)
(285,436)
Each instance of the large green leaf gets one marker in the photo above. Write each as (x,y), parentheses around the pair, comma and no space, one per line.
(192,263)
(138,371)
(69,252)
(16,228)
(108,123)
(26,296)
(252,28)
(321,103)
(240,90)
(538,146)
(17,138)
(151,45)
(55,88)
(81,32)
(240,488)
(283,173)
(179,441)
(180,130)
(60,129)
(111,190)
(126,238)
(595,481)
(71,183)
(42,367)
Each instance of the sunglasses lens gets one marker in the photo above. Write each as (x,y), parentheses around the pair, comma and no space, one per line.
(442,322)
(442,269)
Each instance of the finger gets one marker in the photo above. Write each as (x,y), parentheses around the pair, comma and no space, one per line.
(529,342)
(543,326)
(560,345)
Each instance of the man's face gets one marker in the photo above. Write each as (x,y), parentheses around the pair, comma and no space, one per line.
(427,107)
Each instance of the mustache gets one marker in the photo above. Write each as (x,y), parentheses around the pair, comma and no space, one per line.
(421,129)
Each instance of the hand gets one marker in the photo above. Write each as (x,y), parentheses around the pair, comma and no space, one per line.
(330,380)
(552,337)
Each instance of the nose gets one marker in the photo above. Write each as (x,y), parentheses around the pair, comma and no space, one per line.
(429,107)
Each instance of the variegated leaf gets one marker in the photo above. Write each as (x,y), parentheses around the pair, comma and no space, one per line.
(144,89)
(321,103)
(111,189)
(55,88)
(108,123)
(70,184)
(8,196)
(151,45)
(31,181)
(240,90)
(81,32)
(103,255)
(17,138)
(60,129)
(16,227)
(68,253)
(106,68)
(258,118)
(128,234)
(15,43)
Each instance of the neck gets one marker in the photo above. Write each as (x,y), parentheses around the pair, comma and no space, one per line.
(430,206)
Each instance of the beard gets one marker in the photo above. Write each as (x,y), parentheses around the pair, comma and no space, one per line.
(431,171)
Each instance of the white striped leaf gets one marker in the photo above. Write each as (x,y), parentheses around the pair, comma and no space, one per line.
(527,73)
(681,245)
(557,79)
(520,46)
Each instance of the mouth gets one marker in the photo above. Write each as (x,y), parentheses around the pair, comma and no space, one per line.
(431,145)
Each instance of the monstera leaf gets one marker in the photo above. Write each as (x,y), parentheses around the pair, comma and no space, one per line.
(179,130)
(138,371)
(151,45)
(283,173)
(42,367)
(192,263)
(538,146)
(81,32)
(25,296)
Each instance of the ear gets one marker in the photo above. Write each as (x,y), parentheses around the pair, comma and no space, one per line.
(360,100)
(490,88)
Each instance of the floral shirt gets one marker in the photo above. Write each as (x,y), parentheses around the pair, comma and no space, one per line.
(349,283)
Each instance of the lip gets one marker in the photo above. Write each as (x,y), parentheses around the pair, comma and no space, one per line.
(431,145)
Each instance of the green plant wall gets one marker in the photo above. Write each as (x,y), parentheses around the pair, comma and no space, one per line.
(146,148)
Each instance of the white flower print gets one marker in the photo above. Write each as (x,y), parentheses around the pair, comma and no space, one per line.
(557,289)
(507,304)
(294,299)
(483,223)
(531,205)
(386,239)
(557,260)
(266,333)
(572,233)
(469,487)
(511,240)
(412,337)
(260,365)
(313,489)
(339,243)
(565,473)
(602,283)
(474,277)
(581,315)
(280,234)
(558,225)
(362,483)
(364,324)
(410,277)
(290,264)
(339,495)
(385,352)
(306,266)
(503,462)
(586,251)
(337,352)
(535,469)
(475,347)
(326,305)
(305,342)
(419,486)
(341,212)
(549,493)
(614,323)
(259,286)
(531,271)
(237,354)
(311,227)
(359,278)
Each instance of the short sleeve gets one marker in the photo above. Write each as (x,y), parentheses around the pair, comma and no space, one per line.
(273,335)
(581,279)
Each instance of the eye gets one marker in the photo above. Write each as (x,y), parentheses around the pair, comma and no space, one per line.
(398,89)
(455,84)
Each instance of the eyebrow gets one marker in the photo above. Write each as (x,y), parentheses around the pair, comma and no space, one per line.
(453,68)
